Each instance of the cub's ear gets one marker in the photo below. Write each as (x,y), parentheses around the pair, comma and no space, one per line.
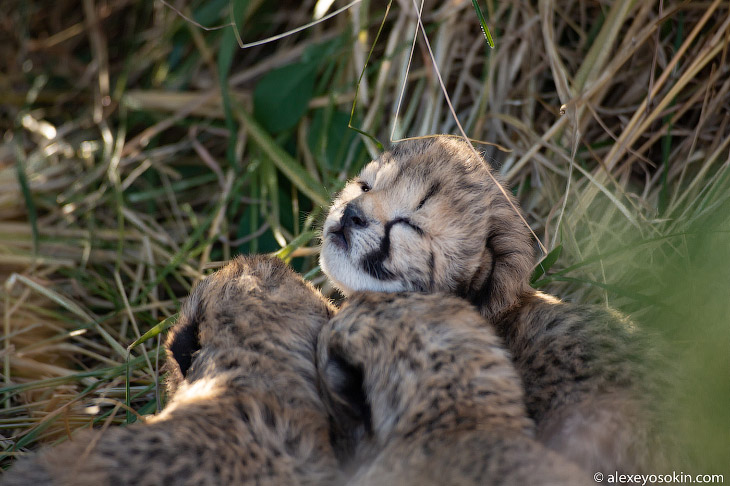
(343,388)
(182,342)
(504,276)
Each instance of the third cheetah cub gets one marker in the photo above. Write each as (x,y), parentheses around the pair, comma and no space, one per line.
(421,392)
(427,216)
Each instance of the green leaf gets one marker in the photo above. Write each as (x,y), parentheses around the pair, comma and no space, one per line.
(292,169)
(209,12)
(154,331)
(239,14)
(282,96)
(546,263)
(300,240)
(330,140)
(226,51)
(312,273)
(483,24)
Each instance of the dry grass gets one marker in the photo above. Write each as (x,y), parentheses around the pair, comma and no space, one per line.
(139,151)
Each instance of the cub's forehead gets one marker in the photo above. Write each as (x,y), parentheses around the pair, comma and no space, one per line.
(424,160)
(389,172)
(370,172)
(385,172)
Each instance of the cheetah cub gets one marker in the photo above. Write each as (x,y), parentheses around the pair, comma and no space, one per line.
(422,392)
(426,216)
(245,408)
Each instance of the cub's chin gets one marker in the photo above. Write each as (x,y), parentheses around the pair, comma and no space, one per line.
(345,271)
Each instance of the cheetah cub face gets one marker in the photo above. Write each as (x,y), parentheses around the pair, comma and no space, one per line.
(427,216)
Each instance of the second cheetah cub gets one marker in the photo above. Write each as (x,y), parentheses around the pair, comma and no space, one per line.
(421,392)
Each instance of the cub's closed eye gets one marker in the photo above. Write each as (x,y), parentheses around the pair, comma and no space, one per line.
(431,191)
(408,223)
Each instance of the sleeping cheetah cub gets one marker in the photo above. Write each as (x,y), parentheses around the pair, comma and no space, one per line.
(245,407)
(421,392)
(428,217)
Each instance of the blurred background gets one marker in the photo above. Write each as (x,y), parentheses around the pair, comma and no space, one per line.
(142,147)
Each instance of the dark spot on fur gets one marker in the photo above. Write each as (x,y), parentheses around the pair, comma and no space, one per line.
(226,318)
(373,339)
(580,377)
(554,323)
(243,412)
(557,362)
(486,366)
(416,343)
(290,445)
(268,416)
(231,364)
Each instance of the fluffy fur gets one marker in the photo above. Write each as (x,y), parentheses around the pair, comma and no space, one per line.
(427,216)
(245,406)
(422,392)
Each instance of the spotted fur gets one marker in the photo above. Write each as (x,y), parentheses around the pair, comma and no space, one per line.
(245,407)
(427,216)
(422,392)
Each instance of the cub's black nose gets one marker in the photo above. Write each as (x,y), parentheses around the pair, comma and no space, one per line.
(353,218)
